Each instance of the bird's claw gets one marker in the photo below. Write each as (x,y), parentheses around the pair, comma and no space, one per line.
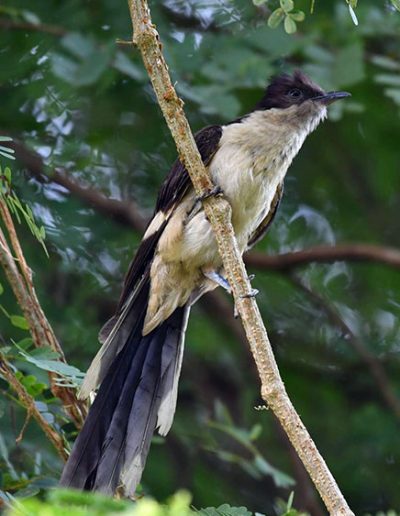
(253,292)
(214,192)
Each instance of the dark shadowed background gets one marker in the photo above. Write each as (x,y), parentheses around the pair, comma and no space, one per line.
(84,106)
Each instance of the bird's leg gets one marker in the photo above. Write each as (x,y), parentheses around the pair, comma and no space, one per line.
(220,280)
(217,278)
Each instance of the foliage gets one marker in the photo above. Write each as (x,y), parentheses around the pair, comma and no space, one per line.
(83,103)
(17,208)
(75,503)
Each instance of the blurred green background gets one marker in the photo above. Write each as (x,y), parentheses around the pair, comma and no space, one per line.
(83,103)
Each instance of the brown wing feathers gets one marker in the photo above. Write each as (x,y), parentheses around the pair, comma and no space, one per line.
(174,188)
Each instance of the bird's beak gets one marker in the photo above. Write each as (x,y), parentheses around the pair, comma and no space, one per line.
(332,96)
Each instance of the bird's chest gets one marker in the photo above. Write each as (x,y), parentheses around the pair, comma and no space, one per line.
(249,174)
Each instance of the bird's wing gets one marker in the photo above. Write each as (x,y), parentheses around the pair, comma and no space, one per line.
(259,233)
(174,188)
(177,182)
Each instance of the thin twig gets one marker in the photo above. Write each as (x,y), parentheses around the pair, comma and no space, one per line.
(41,331)
(219,214)
(375,367)
(29,403)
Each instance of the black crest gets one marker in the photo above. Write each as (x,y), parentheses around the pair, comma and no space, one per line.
(286,90)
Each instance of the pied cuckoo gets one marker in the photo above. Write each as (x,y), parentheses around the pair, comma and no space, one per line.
(137,369)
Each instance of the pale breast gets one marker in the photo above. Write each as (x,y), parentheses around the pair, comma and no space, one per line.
(251,162)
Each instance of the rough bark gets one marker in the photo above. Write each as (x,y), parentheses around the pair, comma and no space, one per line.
(218,211)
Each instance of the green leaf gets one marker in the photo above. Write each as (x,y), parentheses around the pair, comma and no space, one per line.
(225,510)
(349,65)
(7,173)
(385,62)
(280,478)
(394,94)
(55,366)
(222,414)
(290,501)
(30,17)
(276,18)
(78,45)
(7,152)
(259,2)
(123,64)
(92,68)
(42,233)
(1,289)
(25,344)
(396,4)
(290,25)
(297,16)
(63,67)
(287,5)
(255,432)
(353,15)
(389,79)
(43,353)
(4,454)
(19,322)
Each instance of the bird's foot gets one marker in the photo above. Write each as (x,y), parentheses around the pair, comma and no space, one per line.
(214,192)
(253,292)
(217,278)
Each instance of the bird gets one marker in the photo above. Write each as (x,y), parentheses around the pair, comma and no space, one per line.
(137,368)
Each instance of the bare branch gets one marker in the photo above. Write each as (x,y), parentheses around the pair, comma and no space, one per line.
(55,30)
(218,212)
(325,254)
(306,496)
(24,291)
(29,403)
(125,212)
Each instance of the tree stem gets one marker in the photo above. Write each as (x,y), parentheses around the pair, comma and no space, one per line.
(218,211)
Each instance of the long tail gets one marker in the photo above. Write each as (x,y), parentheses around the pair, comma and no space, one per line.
(138,378)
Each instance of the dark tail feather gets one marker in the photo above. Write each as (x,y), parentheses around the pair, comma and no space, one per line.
(137,395)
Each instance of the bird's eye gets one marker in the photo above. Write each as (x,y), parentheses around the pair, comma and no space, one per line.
(295,93)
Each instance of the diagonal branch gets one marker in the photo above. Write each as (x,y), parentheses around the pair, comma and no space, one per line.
(29,403)
(124,212)
(19,277)
(219,214)
(376,369)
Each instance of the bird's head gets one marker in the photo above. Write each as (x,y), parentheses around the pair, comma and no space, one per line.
(287,90)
